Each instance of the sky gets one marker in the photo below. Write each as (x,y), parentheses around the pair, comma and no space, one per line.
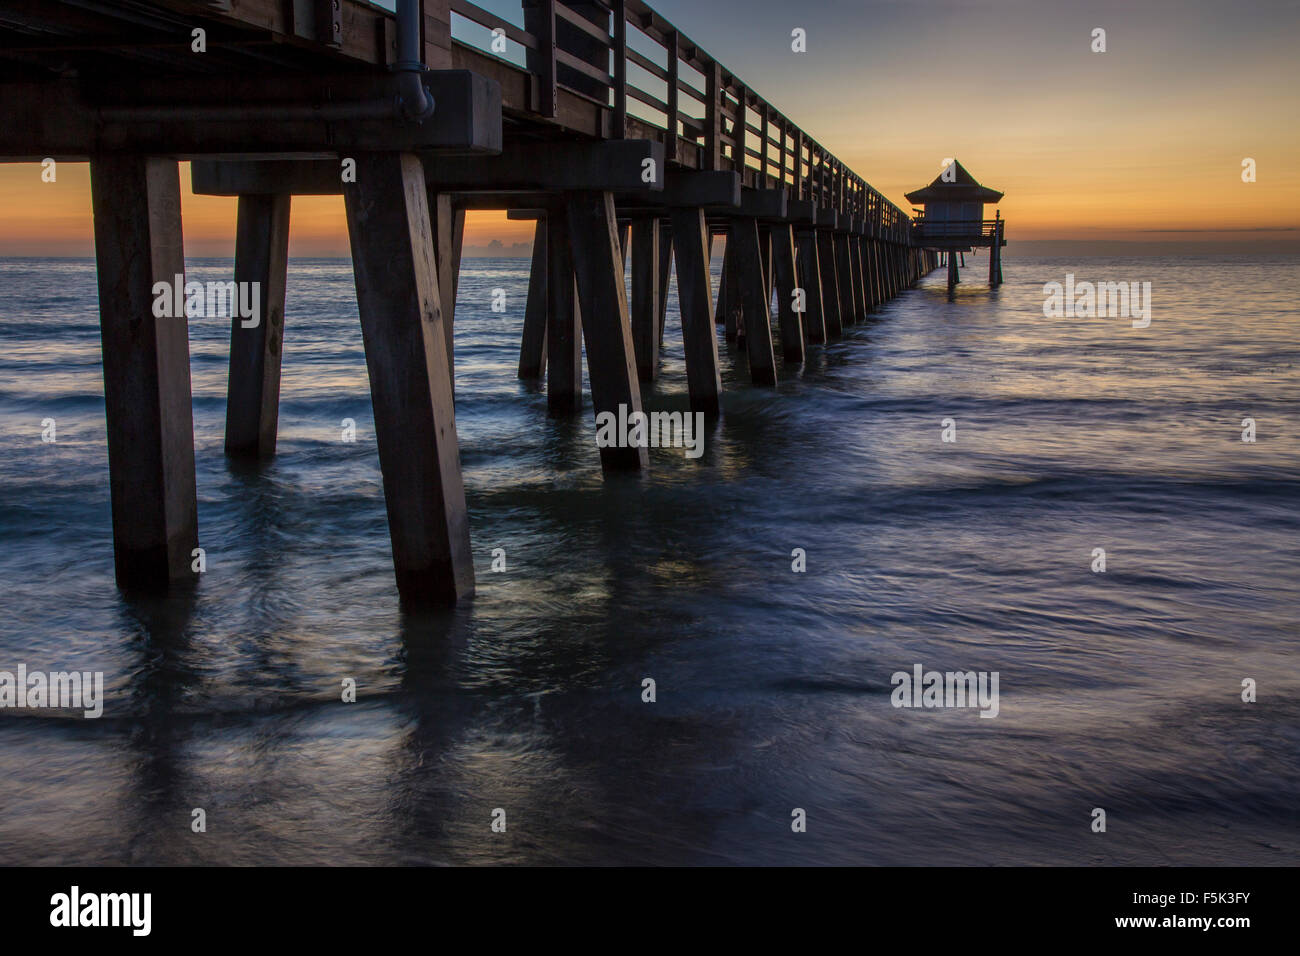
(1143,142)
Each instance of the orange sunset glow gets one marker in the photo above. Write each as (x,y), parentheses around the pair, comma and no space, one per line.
(1145,140)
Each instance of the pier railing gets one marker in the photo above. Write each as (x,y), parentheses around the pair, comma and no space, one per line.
(625,57)
(955,229)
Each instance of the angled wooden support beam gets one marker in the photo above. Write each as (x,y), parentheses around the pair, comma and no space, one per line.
(606,327)
(410,379)
(855,269)
(826,258)
(646,289)
(765,251)
(665,273)
(532,349)
(747,263)
(253,389)
(868,279)
(810,280)
(691,247)
(563,322)
(844,276)
(878,267)
(196,115)
(448,241)
(789,305)
(137,208)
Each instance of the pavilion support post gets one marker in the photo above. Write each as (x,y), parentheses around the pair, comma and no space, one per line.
(748,263)
(691,244)
(783,269)
(952,270)
(810,280)
(253,390)
(532,348)
(830,284)
(606,327)
(563,325)
(148,411)
(995,256)
(410,377)
(646,287)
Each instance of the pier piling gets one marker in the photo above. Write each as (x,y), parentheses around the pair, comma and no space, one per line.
(137,212)
(253,390)
(410,377)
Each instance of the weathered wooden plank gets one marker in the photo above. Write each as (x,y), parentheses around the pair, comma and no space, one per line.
(410,378)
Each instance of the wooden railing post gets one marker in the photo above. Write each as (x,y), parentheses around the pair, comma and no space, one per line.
(548,95)
(670,139)
(713,117)
(620,69)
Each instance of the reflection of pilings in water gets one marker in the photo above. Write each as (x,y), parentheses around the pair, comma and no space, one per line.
(158,811)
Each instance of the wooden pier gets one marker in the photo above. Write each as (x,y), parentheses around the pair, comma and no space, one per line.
(618,134)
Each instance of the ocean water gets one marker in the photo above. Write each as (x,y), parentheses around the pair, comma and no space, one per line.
(1119,690)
